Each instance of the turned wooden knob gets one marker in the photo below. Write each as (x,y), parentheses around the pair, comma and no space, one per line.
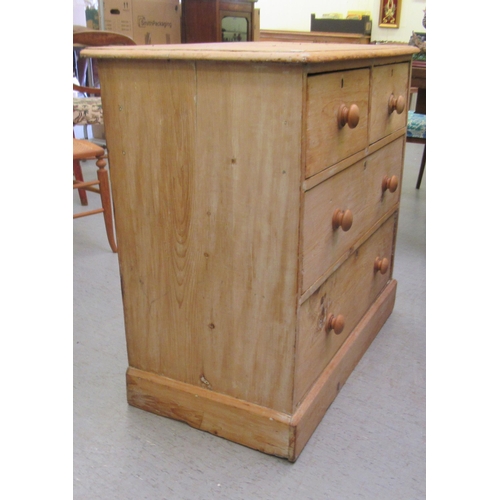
(390,183)
(342,218)
(381,265)
(348,115)
(396,104)
(335,323)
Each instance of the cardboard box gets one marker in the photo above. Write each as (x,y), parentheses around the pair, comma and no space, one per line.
(118,16)
(147,22)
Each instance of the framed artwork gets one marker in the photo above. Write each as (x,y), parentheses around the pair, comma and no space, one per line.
(390,12)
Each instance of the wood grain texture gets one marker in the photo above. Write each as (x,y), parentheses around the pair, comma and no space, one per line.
(259,428)
(326,388)
(357,188)
(311,36)
(350,291)
(248,152)
(228,259)
(326,142)
(351,160)
(156,103)
(99,38)
(275,52)
(251,425)
(84,150)
(202,304)
(387,80)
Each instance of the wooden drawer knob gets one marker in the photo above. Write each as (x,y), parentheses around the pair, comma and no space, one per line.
(390,183)
(335,323)
(342,218)
(381,265)
(396,104)
(348,115)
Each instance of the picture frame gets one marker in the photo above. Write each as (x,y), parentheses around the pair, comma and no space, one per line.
(390,13)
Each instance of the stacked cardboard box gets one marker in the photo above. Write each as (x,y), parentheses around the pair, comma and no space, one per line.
(147,22)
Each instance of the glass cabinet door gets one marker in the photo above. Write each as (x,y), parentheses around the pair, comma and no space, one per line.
(235,28)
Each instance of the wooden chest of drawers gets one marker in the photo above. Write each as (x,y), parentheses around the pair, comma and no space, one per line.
(256,191)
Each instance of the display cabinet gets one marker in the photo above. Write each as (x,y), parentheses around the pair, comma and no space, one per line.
(217,21)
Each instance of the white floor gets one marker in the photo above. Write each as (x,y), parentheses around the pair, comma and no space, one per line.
(370,445)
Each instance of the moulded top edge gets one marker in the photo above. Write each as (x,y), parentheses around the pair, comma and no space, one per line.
(280,52)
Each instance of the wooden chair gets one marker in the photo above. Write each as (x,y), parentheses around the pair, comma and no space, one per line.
(87,109)
(84,37)
(416,133)
(86,150)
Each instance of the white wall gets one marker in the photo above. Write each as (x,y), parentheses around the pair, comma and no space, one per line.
(79,13)
(79,7)
(412,14)
(296,15)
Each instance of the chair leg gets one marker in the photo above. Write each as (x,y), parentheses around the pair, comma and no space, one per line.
(422,168)
(105,192)
(77,172)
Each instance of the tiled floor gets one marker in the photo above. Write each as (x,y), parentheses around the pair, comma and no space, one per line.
(370,444)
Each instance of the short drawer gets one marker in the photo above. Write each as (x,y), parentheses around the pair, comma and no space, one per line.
(361,192)
(349,293)
(332,99)
(389,99)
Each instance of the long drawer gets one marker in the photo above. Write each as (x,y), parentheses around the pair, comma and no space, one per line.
(337,117)
(357,193)
(348,293)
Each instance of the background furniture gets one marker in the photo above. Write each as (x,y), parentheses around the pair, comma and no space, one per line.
(85,150)
(217,21)
(312,36)
(257,240)
(418,80)
(86,111)
(85,70)
(87,108)
(362,26)
(416,132)
(417,120)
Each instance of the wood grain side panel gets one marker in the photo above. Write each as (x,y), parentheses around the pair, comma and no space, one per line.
(206,175)
(150,113)
(248,153)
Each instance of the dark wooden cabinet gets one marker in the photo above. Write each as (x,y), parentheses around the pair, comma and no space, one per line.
(217,21)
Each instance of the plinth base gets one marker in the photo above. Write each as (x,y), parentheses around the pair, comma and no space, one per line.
(257,427)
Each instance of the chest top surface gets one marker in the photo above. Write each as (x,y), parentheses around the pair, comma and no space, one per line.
(272,52)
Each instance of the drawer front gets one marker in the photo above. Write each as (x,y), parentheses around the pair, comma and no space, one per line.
(348,292)
(389,100)
(330,97)
(357,189)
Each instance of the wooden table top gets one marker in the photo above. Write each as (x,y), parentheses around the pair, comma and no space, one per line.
(279,52)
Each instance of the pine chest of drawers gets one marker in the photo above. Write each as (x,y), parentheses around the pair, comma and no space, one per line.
(256,192)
